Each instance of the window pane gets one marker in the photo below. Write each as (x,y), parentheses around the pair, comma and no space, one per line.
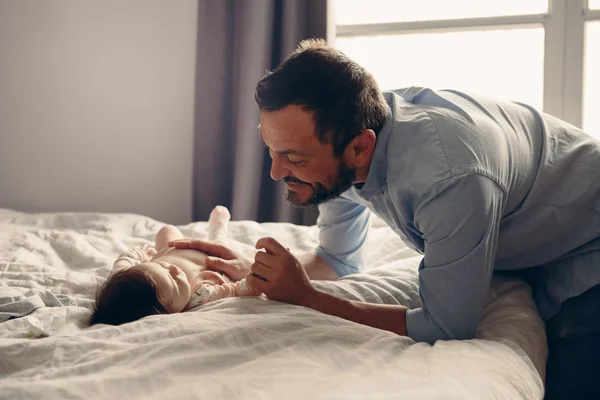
(348,12)
(591,85)
(594,4)
(507,64)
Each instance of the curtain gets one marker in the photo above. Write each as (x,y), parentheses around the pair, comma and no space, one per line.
(238,41)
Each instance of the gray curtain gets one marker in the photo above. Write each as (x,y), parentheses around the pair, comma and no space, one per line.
(238,41)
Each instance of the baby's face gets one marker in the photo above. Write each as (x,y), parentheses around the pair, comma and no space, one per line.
(172,286)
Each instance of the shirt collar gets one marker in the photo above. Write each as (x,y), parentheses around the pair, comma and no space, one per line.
(377,176)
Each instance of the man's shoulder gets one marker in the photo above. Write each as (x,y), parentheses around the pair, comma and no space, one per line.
(416,155)
(434,139)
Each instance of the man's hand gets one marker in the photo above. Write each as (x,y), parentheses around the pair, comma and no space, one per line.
(221,258)
(278,274)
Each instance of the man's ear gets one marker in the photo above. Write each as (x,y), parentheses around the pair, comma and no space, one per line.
(360,150)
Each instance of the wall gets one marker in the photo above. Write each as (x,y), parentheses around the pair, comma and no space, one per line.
(96,106)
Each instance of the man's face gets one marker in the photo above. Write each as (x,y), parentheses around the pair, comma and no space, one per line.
(312,174)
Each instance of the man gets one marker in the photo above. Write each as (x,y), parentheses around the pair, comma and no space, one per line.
(475,185)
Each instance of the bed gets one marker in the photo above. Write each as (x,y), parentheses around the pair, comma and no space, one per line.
(244,348)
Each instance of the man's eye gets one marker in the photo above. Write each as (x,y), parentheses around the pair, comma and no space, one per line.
(295,162)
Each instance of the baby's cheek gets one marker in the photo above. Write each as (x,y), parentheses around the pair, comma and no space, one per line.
(180,304)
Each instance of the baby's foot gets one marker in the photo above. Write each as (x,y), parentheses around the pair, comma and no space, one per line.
(219,214)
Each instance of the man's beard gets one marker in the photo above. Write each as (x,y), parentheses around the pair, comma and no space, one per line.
(321,194)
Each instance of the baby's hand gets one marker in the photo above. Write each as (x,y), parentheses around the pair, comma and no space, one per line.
(150,251)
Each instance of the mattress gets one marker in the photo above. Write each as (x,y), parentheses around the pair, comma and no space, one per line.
(244,348)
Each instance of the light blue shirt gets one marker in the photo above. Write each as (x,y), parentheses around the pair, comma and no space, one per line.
(476,185)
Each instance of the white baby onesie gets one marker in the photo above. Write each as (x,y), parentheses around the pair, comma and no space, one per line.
(206,293)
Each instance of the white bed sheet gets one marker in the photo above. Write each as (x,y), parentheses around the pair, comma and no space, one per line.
(245,348)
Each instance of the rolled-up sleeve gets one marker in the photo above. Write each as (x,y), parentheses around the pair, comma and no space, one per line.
(343,229)
(459,219)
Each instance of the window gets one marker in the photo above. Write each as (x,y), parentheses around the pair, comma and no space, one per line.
(541,52)
(591,111)
(350,12)
(482,60)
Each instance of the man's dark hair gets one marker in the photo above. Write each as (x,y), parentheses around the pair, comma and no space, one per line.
(342,96)
(126,296)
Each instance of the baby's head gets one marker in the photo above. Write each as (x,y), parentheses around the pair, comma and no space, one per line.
(144,289)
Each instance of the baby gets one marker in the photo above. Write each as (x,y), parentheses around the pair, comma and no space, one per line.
(161,280)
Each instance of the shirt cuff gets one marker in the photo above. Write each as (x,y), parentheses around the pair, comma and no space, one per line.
(338,266)
(421,328)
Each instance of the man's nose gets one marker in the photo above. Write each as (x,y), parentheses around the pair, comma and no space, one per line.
(277,170)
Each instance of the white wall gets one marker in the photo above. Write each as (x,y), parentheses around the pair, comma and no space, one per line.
(96,106)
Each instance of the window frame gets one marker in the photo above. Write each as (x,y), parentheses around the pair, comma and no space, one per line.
(564,28)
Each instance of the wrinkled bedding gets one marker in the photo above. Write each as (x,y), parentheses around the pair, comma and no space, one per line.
(246,348)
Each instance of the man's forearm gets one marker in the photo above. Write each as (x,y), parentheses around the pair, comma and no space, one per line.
(382,316)
(316,268)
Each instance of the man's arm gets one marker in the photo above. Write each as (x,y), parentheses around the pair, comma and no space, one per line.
(382,316)
(343,228)
(279,275)
(460,222)
(237,266)
(317,268)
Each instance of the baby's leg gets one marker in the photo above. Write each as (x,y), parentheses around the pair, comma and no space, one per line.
(166,234)
(217,224)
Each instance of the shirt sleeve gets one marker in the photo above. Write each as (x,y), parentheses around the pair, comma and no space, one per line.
(343,228)
(459,219)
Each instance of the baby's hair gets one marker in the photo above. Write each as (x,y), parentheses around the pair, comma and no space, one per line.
(126,296)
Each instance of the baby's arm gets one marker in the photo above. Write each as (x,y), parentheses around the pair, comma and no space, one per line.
(209,293)
(167,234)
(233,289)
(131,257)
